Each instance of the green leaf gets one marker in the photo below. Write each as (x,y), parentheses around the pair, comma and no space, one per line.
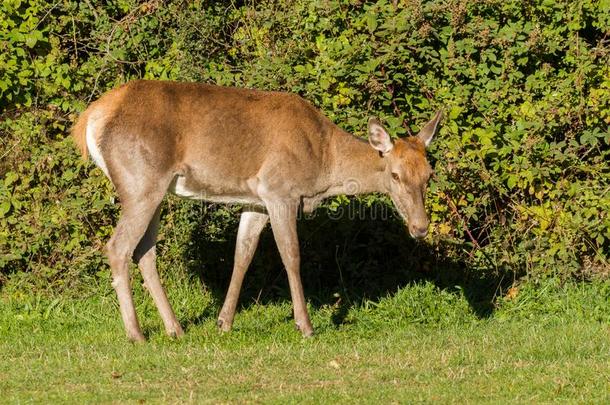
(5,207)
(371,22)
(10,178)
(511,182)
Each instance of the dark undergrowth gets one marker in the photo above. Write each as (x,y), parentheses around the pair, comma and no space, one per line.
(346,259)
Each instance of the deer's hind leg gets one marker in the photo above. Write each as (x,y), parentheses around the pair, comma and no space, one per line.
(145,255)
(139,207)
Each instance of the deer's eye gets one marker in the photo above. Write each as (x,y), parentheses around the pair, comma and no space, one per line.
(395,176)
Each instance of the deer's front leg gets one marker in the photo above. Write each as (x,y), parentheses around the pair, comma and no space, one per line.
(283,217)
(251,225)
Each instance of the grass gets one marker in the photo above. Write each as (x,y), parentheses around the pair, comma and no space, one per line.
(549,342)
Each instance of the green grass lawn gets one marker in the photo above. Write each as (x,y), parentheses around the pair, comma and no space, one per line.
(422,344)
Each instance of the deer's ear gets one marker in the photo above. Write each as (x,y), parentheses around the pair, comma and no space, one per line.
(378,137)
(427,132)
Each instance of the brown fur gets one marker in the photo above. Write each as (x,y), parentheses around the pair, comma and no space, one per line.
(273,151)
(178,127)
(79,133)
(109,102)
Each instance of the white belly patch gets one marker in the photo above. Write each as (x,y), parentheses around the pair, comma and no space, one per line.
(93,125)
(178,187)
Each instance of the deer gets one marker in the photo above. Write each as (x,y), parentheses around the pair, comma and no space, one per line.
(272,152)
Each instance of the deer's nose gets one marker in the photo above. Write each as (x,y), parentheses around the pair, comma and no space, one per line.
(418,232)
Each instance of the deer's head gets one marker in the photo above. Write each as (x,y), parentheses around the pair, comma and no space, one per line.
(407,171)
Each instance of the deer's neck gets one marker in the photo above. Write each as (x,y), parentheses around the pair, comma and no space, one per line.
(355,167)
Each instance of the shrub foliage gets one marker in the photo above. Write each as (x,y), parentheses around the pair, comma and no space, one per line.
(522,176)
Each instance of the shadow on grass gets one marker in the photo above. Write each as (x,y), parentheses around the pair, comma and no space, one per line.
(345,259)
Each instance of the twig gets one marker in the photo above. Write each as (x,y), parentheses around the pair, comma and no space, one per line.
(47,14)
(132,15)
(456,212)
(97,77)
(92,9)
(74,38)
(10,149)
(397,110)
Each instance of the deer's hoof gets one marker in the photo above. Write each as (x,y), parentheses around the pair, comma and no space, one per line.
(175,332)
(136,337)
(306,330)
(223,325)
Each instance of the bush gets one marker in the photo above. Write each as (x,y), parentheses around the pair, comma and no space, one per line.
(522,179)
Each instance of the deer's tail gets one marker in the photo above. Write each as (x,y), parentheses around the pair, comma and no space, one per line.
(79,133)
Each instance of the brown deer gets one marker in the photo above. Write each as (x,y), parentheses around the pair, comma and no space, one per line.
(271,151)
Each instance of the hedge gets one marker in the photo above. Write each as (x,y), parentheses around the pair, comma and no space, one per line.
(522,182)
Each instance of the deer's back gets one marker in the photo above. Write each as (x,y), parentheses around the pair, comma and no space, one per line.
(217,138)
